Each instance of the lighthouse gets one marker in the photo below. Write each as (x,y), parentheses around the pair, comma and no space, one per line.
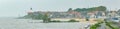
(30,11)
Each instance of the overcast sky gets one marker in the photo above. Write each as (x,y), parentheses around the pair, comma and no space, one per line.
(19,7)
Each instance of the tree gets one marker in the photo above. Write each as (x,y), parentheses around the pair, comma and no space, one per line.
(72,20)
(70,9)
(78,9)
(87,19)
(118,12)
(45,18)
(100,8)
(39,16)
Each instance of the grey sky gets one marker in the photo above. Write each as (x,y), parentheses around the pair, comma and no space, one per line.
(19,7)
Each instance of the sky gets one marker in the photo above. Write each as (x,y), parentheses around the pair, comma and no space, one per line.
(16,8)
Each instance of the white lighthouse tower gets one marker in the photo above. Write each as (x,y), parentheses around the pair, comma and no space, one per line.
(30,11)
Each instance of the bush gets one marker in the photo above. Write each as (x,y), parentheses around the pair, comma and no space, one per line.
(87,19)
(72,20)
(55,21)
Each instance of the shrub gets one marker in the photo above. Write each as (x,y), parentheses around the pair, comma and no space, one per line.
(87,19)
(55,21)
(72,20)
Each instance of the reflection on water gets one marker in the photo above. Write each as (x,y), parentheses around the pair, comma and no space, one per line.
(26,24)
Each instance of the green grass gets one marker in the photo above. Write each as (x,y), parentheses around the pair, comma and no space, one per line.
(96,25)
(110,25)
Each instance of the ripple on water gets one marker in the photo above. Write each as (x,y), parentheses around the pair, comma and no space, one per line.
(26,24)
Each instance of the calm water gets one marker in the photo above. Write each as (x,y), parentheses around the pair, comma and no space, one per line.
(35,24)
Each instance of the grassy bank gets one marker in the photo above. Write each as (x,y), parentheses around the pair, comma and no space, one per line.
(109,24)
(96,25)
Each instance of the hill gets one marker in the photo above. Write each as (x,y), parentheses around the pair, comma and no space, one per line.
(100,8)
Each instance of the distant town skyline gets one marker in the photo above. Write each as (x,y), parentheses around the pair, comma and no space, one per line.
(19,7)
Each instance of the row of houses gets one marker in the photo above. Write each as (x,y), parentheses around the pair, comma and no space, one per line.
(68,15)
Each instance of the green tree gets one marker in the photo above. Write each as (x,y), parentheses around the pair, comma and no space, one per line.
(39,16)
(72,20)
(46,19)
(70,9)
(87,19)
(78,9)
(100,8)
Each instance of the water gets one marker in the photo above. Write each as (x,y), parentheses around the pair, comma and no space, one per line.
(36,24)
